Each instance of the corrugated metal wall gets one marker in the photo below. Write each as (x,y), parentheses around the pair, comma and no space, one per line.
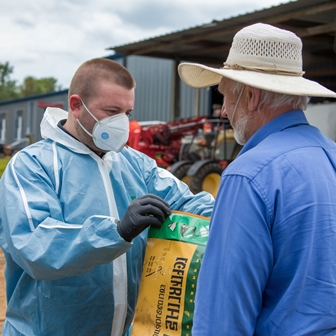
(153,93)
(194,102)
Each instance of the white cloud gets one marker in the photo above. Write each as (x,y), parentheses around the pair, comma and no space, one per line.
(52,38)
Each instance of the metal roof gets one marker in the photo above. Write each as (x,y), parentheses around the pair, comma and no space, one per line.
(314,21)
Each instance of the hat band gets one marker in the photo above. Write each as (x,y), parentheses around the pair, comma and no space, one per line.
(264,70)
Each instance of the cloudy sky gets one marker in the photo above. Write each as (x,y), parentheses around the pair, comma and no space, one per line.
(51,38)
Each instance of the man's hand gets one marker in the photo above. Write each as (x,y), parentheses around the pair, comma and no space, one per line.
(142,212)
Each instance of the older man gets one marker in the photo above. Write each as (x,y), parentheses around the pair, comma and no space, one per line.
(270,263)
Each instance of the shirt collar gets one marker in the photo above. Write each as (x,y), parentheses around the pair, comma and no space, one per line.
(278,124)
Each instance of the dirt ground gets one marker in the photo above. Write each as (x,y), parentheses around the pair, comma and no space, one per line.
(2,291)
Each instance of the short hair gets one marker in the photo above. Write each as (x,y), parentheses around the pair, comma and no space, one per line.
(91,73)
(274,99)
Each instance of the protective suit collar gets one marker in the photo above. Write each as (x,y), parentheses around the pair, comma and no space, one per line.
(50,130)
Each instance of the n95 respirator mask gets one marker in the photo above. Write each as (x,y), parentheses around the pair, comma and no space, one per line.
(110,133)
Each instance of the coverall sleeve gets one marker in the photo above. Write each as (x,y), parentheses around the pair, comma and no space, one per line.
(164,184)
(34,232)
(237,262)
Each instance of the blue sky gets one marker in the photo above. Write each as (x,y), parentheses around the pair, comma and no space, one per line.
(51,38)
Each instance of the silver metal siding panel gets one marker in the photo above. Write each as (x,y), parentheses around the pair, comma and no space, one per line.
(188,99)
(153,93)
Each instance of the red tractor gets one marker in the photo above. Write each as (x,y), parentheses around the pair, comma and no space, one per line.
(195,150)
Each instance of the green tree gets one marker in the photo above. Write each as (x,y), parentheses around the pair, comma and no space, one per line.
(33,86)
(8,87)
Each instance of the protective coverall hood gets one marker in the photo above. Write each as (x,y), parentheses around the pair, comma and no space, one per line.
(50,130)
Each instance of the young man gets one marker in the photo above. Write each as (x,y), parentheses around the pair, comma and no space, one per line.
(269,267)
(74,209)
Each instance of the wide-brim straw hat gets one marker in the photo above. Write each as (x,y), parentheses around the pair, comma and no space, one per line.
(261,56)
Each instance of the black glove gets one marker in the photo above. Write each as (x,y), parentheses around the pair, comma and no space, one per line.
(142,212)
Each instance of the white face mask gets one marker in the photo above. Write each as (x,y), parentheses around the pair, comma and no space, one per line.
(110,133)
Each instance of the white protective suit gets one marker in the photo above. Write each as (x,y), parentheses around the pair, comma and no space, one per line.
(58,206)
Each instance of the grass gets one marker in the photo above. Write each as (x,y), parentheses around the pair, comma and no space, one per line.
(3,163)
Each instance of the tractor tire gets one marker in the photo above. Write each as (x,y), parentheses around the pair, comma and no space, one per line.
(181,173)
(207,178)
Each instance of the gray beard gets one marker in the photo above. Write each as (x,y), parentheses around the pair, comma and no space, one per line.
(240,130)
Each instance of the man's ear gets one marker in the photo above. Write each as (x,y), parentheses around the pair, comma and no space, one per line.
(75,105)
(253,98)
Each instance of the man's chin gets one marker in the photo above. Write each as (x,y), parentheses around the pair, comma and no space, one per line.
(239,139)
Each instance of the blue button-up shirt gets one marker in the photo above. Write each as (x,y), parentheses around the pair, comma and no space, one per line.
(270,263)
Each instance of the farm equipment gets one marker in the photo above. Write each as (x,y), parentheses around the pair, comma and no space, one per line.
(195,150)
